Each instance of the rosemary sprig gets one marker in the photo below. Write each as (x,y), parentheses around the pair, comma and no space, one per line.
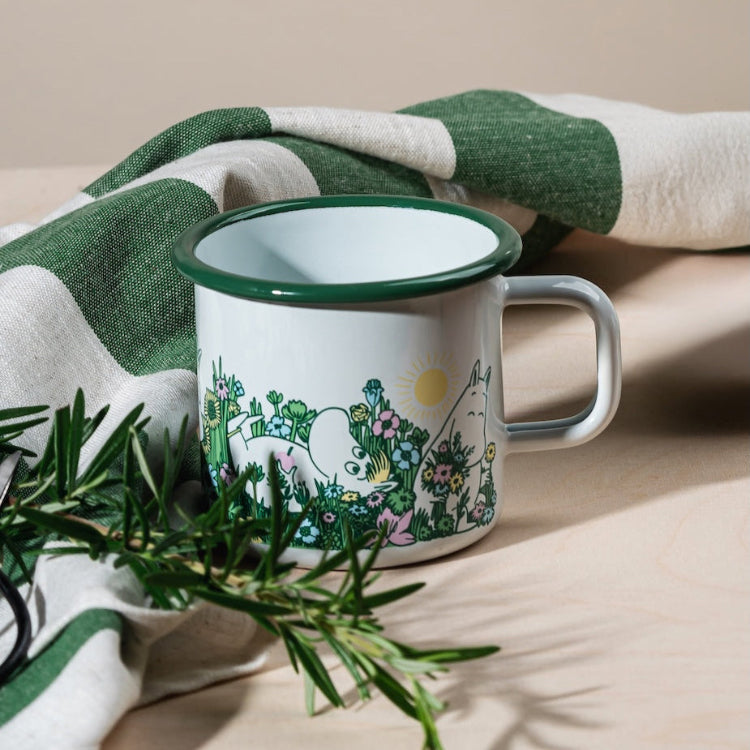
(117,506)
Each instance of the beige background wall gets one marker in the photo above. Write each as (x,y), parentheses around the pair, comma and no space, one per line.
(86,81)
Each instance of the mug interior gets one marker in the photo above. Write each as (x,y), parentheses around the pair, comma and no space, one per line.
(342,249)
(346,245)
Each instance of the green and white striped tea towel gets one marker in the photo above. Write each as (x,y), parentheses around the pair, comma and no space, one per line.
(89,298)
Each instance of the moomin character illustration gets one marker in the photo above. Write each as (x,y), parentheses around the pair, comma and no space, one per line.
(331,455)
(455,467)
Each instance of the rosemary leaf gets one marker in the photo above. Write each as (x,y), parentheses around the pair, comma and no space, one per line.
(373,601)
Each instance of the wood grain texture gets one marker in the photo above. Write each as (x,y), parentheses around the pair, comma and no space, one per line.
(617,578)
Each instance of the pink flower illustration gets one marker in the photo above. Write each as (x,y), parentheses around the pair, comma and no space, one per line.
(396,528)
(386,424)
(442,473)
(329,517)
(226,473)
(478,510)
(374,499)
(444,447)
(222,390)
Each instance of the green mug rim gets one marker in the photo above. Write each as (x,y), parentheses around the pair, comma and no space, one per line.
(502,257)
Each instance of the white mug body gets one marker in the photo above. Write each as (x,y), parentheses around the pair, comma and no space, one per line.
(351,347)
(387,413)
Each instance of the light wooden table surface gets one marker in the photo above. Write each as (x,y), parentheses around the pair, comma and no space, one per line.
(617,579)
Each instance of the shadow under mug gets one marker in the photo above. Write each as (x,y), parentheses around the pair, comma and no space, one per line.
(355,341)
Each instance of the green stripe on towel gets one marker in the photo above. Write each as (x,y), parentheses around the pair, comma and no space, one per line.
(564,167)
(113,255)
(184,138)
(338,171)
(38,674)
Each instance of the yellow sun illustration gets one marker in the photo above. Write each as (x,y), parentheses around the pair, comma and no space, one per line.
(429,387)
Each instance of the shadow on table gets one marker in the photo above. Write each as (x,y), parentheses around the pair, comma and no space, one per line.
(528,716)
(523,714)
(704,391)
(201,715)
(536,714)
(608,263)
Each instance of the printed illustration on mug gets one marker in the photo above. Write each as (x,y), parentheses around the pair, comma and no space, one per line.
(368,465)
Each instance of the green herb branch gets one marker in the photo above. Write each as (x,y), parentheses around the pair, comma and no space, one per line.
(117,507)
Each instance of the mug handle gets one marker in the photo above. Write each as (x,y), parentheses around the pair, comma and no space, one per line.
(574,292)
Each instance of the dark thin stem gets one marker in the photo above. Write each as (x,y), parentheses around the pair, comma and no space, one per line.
(23,626)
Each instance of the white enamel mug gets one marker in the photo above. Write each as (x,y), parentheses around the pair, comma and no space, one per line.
(356,342)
